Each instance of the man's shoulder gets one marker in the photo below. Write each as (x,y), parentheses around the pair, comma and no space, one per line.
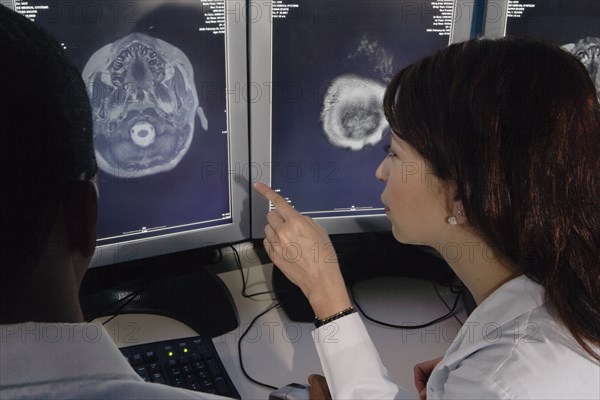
(91,389)
(127,389)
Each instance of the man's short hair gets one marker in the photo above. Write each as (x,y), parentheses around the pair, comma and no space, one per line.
(45,133)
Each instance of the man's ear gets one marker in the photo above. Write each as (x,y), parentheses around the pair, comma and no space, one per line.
(81,208)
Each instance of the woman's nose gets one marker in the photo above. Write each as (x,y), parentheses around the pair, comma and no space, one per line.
(381,171)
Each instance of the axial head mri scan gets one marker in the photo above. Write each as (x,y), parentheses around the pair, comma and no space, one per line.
(144,104)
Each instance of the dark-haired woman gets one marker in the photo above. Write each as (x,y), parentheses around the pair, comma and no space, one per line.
(506,136)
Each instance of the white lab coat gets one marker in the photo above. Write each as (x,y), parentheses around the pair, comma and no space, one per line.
(510,347)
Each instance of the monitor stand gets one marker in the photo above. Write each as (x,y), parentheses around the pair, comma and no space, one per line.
(175,286)
(364,256)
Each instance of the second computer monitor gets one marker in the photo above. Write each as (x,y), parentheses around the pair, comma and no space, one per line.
(318,72)
(572,24)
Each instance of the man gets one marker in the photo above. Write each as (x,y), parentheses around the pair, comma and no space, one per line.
(47,230)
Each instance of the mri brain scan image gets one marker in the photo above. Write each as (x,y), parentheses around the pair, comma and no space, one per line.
(144,104)
(352,113)
(588,51)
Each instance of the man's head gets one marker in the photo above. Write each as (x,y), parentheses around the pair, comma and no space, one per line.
(46,148)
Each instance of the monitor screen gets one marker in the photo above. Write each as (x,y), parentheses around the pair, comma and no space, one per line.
(561,21)
(572,24)
(319,70)
(166,131)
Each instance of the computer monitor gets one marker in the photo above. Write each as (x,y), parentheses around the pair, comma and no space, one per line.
(318,71)
(168,133)
(572,24)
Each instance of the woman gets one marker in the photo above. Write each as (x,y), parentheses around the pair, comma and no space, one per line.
(507,135)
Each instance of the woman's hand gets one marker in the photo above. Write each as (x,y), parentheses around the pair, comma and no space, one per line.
(422,372)
(303,252)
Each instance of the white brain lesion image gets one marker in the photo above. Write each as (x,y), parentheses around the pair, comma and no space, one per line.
(588,52)
(352,113)
(144,104)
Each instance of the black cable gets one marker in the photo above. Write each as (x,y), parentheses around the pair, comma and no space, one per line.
(218,261)
(455,289)
(446,304)
(127,299)
(245,278)
(435,321)
(240,347)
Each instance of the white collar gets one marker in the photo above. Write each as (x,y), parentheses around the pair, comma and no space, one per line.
(38,352)
(511,300)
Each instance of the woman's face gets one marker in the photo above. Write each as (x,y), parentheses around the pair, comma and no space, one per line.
(415,200)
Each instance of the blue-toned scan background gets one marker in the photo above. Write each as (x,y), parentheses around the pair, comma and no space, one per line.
(561,21)
(196,191)
(311,47)
(572,24)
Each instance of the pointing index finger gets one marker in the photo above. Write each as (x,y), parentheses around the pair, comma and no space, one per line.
(279,202)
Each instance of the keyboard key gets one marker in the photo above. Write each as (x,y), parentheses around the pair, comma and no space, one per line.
(207,383)
(143,372)
(203,375)
(189,378)
(187,369)
(178,381)
(199,366)
(150,356)
(174,374)
(221,386)
(213,367)
(136,359)
(154,367)
(158,378)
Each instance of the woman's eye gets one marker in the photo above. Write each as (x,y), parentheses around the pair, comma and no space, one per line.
(388,150)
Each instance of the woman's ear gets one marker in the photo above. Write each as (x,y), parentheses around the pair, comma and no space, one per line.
(81,207)
(454,205)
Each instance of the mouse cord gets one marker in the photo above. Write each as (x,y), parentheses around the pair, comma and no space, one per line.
(238,262)
(459,294)
(389,325)
(240,347)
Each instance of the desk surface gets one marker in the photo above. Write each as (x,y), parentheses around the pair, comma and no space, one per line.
(278,351)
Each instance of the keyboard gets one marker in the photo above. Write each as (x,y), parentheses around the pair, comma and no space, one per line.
(191,363)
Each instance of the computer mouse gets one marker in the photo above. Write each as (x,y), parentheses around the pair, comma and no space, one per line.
(293,391)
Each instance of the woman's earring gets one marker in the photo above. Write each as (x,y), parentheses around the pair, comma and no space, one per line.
(454,220)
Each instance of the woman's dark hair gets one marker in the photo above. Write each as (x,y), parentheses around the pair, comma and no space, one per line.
(515,124)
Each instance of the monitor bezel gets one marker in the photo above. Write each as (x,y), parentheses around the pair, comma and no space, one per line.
(237,125)
(496,17)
